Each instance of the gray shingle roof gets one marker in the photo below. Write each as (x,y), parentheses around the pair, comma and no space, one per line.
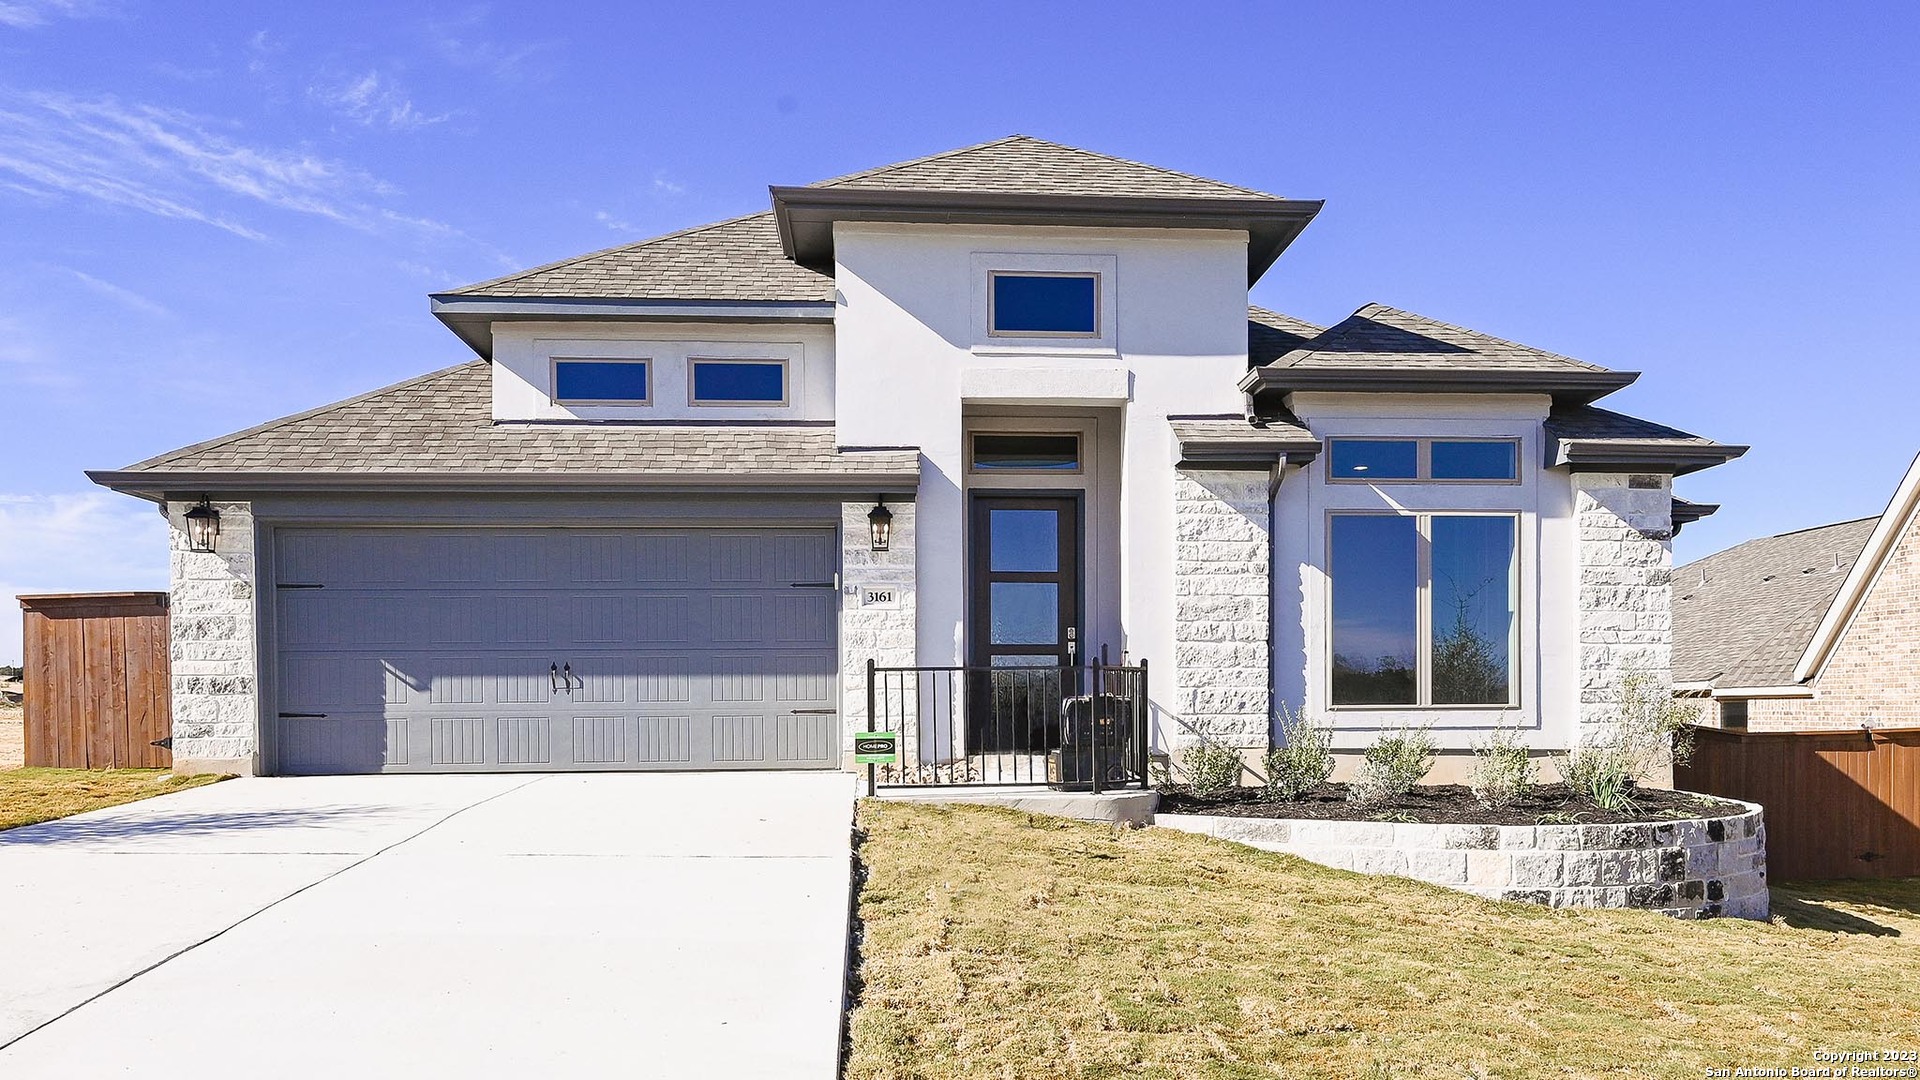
(1378,336)
(1271,335)
(729,260)
(1744,616)
(443,423)
(1024,165)
(1589,423)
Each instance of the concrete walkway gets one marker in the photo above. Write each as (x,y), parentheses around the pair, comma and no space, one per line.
(616,924)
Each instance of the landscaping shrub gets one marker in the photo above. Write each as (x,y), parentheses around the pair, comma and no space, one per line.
(1502,770)
(1650,732)
(1304,759)
(1391,768)
(1212,769)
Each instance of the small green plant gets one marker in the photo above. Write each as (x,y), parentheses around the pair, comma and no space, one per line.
(1502,769)
(1303,760)
(1650,731)
(1391,767)
(1212,769)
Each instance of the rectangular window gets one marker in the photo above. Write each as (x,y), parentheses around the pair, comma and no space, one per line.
(1043,305)
(1424,608)
(739,382)
(601,382)
(1026,453)
(1733,714)
(1373,461)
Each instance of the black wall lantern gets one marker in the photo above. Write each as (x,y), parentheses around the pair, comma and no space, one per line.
(203,526)
(880,520)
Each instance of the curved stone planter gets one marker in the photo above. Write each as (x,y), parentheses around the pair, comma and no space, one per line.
(1692,868)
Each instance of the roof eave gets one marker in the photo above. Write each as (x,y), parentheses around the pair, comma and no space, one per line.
(1638,455)
(1886,535)
(471,318)
(806,215)
(1565,387)
(182,484)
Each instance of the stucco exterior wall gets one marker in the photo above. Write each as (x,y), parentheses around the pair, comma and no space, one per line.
(1625,617)
(213,629)
(1873,675)
(1222,610)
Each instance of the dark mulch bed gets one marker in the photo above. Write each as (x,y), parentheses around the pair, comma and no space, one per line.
(1447,804)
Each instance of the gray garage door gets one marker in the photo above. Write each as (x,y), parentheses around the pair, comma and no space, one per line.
(447,650)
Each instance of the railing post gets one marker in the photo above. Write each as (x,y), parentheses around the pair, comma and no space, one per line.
(1093,721)
(870,727)
(1141,710)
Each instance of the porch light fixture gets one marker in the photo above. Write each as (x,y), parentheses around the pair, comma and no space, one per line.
(880,520)
(203,526)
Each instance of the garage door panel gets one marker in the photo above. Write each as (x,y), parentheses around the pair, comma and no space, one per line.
(429,649)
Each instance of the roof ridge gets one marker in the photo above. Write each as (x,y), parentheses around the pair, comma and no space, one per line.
(628,246)
(1018,137)
(292,418)
(1360,312)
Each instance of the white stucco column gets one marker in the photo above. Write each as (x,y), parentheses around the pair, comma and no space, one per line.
(216,712)
(873,627)
(1625,523)
(1222,525)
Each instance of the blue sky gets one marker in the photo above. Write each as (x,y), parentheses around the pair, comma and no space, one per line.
(211,219)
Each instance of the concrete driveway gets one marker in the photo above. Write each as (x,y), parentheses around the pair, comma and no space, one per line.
(634,925)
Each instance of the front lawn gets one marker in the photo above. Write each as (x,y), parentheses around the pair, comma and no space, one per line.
(30,796)
(999,944)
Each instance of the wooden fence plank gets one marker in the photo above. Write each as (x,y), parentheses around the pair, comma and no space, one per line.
(98,689)
(1838,804)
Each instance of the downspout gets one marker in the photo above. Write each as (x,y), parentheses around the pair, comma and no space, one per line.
(1275,475)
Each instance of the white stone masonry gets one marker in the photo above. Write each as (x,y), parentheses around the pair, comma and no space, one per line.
(1222,609)
(212,626)
(1626,596)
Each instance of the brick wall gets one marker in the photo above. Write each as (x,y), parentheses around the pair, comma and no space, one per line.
(1872,677)
(1222,609)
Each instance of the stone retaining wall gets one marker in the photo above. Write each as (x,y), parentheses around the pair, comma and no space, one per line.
(1695,868)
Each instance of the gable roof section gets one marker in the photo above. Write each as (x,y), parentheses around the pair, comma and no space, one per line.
(438,429)
(1024,165)
(1743,617)
(739,259)
(1893,524)
(1381,348)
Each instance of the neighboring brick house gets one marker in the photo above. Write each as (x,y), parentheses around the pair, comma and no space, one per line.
(1004,408)
(1809,630)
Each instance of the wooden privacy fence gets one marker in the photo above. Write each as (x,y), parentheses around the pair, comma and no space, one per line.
(97,686)
(1839,804)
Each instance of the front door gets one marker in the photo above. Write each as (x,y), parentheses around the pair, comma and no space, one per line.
(1024,619)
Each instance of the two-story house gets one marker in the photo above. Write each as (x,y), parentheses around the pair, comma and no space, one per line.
(1002,410)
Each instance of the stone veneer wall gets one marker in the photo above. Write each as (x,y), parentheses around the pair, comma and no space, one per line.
(1625,523)
(216,714)
(1692,869)
(1222,609)
(884,635)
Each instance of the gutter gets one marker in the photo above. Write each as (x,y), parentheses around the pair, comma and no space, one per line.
(471,318)
(1566,387)
(158,486)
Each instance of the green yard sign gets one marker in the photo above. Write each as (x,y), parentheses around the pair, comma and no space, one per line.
(876,747)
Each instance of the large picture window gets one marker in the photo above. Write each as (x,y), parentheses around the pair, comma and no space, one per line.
(1044,305)
(1423,609)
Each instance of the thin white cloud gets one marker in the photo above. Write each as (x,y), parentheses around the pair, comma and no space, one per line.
(374,102)
(664,186)
(80,541)
(27,14)
(169,164)
(611,222)
(124,296)
(462,42)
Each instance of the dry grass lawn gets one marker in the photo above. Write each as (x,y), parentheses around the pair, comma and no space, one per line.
(30,796)
(13,745)
(1003,945)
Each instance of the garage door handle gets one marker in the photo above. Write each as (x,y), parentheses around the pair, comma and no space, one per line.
(303,716)
(813,584)
(812,712)
(566,673)
(553,677)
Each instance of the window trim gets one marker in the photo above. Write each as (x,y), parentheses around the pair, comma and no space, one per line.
(553,380)
(1423,459)
(1079,454)
(1099,287)
(1423,615)
(786,383)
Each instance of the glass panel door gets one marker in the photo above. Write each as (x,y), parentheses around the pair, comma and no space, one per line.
(1024,618)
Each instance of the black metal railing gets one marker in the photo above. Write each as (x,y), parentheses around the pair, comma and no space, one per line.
(1071,727)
